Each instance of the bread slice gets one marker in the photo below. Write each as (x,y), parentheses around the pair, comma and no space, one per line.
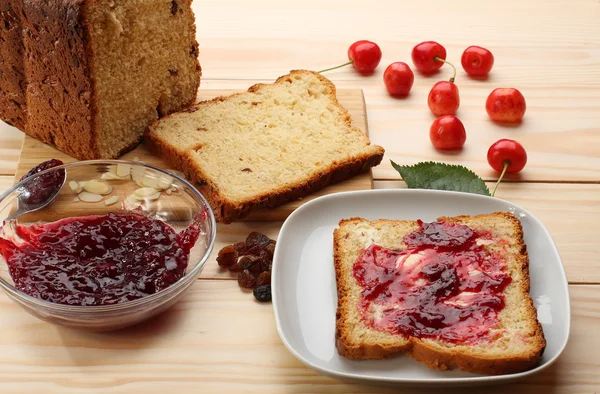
(267,146)
(88,76)
(515,343)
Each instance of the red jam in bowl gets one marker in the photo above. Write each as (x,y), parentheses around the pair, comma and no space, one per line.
(444,285)
(96,260)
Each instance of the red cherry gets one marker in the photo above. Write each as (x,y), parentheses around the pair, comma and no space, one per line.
(507,156)
(398,79)
(477,61)
(427,56)
(447,132)
(443,98)
(365,56)
(506,105)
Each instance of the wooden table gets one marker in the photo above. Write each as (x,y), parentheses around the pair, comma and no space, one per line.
(217,339)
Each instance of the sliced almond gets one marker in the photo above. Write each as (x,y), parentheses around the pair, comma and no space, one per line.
(123,170)
(111,176)
(131,202)
(165,182)
(145,192)
(90,197)
(151,197)
(168,191)
(111,200)
(75,187)
(150,181)
(137,174)
(97,187)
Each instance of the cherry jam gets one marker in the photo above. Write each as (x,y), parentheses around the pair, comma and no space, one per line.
(96,260)
(444,285)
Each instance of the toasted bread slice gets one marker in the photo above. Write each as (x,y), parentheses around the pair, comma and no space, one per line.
(261,148)
(514,343)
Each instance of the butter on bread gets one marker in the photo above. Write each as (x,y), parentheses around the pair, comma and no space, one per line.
(270,145)
(518,342)
(88,76)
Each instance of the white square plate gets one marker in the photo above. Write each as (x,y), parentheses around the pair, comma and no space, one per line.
(304,288)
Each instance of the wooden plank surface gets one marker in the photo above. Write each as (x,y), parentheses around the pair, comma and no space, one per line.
(218,339)
(11,141)
(34,152)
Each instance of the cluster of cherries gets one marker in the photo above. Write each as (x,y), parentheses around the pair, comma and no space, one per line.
(447,132)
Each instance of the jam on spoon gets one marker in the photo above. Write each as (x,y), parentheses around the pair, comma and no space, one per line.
(41,190)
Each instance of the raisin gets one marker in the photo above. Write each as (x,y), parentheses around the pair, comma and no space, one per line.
(257,239)
(252,263)
(227,257)
(262,293)
(246,262)
(264,278)
(265,265)
(249,261)
(255,268)
(270,249)
(40,189)
(240,247)
(237,267)
(247,279)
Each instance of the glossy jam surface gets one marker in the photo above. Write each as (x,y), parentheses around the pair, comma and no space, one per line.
(444,285)
(96,260)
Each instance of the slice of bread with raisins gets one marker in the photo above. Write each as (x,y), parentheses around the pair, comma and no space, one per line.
(452,293)
(262,148)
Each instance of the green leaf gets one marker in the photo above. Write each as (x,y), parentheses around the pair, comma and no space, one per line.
(441,176)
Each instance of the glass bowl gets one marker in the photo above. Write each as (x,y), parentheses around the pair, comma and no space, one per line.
(179,205)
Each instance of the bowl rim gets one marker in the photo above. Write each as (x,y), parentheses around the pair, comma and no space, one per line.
(92,309)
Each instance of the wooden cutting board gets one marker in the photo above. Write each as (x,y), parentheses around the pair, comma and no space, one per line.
(34,152)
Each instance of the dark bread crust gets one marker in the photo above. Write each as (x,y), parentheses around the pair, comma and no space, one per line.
(60,91)
(447,359)
(429,352)
(227,211)
(13,103)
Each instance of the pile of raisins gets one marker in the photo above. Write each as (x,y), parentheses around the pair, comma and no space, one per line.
(252,260)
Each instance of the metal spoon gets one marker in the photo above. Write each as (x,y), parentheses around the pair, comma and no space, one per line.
(23,207)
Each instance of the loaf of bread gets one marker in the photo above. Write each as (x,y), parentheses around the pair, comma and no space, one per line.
(87,76)
(267,146)
(469,309)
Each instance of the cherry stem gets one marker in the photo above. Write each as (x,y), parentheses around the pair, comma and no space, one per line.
(506,164)
(333,68)
(439,59)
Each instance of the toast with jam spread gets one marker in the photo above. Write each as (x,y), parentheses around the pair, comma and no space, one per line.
(451,293)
